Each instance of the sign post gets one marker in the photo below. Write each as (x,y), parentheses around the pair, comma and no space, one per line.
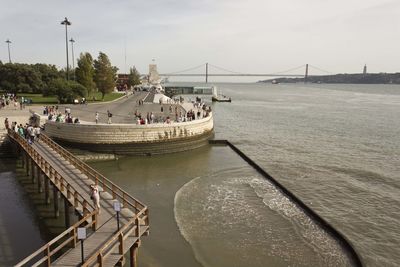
(82,237)
(117,208)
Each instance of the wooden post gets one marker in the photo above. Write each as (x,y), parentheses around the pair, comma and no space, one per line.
(121,250)
(94,221)
(46,189)
(100,259)
(33,170)
(67,213)
(137,229)
(40,178)
(56,202)
(23,160)
(27,161)
(75,199)
(133,254)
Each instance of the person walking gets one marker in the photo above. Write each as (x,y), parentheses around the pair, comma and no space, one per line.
(6,124)
(31,134)
(96,117)
(95,196)
(37,133)
(109,115)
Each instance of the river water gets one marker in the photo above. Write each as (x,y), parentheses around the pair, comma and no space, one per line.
(334,146)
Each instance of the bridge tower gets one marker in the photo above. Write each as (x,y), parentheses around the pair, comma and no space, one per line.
(206,72)
(306,75)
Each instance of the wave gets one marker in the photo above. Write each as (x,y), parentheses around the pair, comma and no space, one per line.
(246,219)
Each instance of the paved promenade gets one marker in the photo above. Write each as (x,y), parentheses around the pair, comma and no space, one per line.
(123,110)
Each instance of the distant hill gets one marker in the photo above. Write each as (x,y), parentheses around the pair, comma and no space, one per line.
(369,78)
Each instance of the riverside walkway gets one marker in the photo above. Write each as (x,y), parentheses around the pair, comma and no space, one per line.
(51,166)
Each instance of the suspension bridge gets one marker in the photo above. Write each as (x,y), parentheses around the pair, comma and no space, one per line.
(223,72)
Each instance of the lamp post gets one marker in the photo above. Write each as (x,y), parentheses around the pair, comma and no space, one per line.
(66,23)
(72,41)
(9,55)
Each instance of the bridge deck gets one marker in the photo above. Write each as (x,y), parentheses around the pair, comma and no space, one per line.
(107,221)
(106,233)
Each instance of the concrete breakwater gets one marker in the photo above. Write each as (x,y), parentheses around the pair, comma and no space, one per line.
(133,139)
(339,237)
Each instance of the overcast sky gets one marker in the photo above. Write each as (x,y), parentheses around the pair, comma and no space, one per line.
(247,36)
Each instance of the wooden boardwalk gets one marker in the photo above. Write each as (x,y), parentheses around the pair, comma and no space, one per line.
(105,244)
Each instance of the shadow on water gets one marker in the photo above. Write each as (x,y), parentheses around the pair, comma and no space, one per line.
(26,221)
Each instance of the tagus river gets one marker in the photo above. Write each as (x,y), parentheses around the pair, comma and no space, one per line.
(337,147)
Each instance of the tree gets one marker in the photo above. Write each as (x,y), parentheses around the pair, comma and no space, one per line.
(47,73)
(66,91)
(104,74)
(133,77)
(85,72)
(16,78)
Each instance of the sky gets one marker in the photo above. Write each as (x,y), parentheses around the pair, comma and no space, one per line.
(245,36)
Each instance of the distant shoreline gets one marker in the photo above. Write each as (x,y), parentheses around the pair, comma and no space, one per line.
(359,78)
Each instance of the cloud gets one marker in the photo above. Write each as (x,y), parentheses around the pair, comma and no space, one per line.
(247,36)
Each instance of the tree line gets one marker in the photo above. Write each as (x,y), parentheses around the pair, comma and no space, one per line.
(90,76)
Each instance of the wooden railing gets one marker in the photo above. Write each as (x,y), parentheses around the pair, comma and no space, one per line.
(80,202)
(116,192)
(117,240)
(67,238)
(133,225)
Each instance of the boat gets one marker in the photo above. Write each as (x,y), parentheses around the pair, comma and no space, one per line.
(274,82)
(221,98)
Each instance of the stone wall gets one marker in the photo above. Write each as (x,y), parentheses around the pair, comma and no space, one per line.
(127,133)
(133,139)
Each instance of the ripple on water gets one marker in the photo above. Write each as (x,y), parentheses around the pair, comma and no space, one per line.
(235,220)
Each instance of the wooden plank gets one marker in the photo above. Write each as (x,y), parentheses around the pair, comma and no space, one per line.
(107,223)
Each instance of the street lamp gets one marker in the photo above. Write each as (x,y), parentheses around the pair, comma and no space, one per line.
(72,41)
(66,23)
(8,44)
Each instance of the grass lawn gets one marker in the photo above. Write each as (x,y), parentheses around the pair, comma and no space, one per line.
(39,98)
(107,97)
(52,100)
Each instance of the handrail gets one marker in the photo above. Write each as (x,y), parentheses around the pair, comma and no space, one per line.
(116,192)
(117,239)
(71,236)
(58,180)
(134,223)
(61,183)
(96,177)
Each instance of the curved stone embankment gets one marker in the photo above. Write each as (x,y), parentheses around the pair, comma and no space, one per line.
(133,139)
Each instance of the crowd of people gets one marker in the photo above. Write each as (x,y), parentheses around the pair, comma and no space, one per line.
(28,131)
(173,114)
(53,114)
(11,100)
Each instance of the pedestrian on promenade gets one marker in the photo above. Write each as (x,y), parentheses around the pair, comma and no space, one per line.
(37,132)
(31,134)
(97,117)
(95,196)
(109,115)
(21,131)
(6,124)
